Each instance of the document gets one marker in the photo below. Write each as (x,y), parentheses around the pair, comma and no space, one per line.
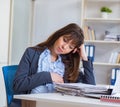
(105,93)
(80,89)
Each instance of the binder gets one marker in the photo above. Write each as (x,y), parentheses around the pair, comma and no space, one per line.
(87,50)
(90,51)
(114,75)
(116,87)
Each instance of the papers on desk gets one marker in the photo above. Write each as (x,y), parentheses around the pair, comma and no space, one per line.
(80,89)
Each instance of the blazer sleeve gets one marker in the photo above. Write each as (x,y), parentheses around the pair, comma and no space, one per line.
(88,75)
(26,77)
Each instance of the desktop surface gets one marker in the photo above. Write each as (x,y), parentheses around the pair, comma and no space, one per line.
(53,99)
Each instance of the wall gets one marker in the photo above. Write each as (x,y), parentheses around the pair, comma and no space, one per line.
(50,15)
(4,30)
(4,35)
(20,29)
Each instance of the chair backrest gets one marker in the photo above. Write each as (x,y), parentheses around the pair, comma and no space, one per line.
(8,74)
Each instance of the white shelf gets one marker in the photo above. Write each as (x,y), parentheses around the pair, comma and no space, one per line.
(103,0)
(111,20)
(101,41)
(91,17)
(105,64)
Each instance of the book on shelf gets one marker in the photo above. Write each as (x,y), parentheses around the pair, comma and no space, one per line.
(118,58)
(93,34)
(86,33)
(111,37)
(114,58)
(90,51)
(89,33)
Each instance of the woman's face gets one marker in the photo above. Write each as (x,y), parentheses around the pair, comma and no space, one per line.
(63,45)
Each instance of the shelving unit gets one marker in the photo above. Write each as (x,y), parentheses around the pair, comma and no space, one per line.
(91,16)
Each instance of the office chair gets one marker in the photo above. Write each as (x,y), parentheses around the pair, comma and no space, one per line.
(8,74)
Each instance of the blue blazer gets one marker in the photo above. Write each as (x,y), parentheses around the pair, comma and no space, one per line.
(27,78)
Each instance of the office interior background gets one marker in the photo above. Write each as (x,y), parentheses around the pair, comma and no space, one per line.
(25,23)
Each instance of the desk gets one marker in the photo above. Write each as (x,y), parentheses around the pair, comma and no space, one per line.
(59,100)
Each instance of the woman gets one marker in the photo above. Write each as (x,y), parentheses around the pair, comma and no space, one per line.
(56,60)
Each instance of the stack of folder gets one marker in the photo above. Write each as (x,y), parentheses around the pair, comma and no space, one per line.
(80,89)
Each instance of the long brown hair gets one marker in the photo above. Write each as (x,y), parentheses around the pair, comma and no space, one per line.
(71,60)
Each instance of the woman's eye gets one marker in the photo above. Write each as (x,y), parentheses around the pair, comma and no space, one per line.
(71,47)
(65,40)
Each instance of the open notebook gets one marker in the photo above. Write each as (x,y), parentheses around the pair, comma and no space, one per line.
(115,95)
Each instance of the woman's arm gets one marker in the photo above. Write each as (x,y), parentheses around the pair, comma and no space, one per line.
(87,76)
(26,77)
(88,73)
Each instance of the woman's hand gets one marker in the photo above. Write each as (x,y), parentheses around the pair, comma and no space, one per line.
(83,53)
(56,78)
